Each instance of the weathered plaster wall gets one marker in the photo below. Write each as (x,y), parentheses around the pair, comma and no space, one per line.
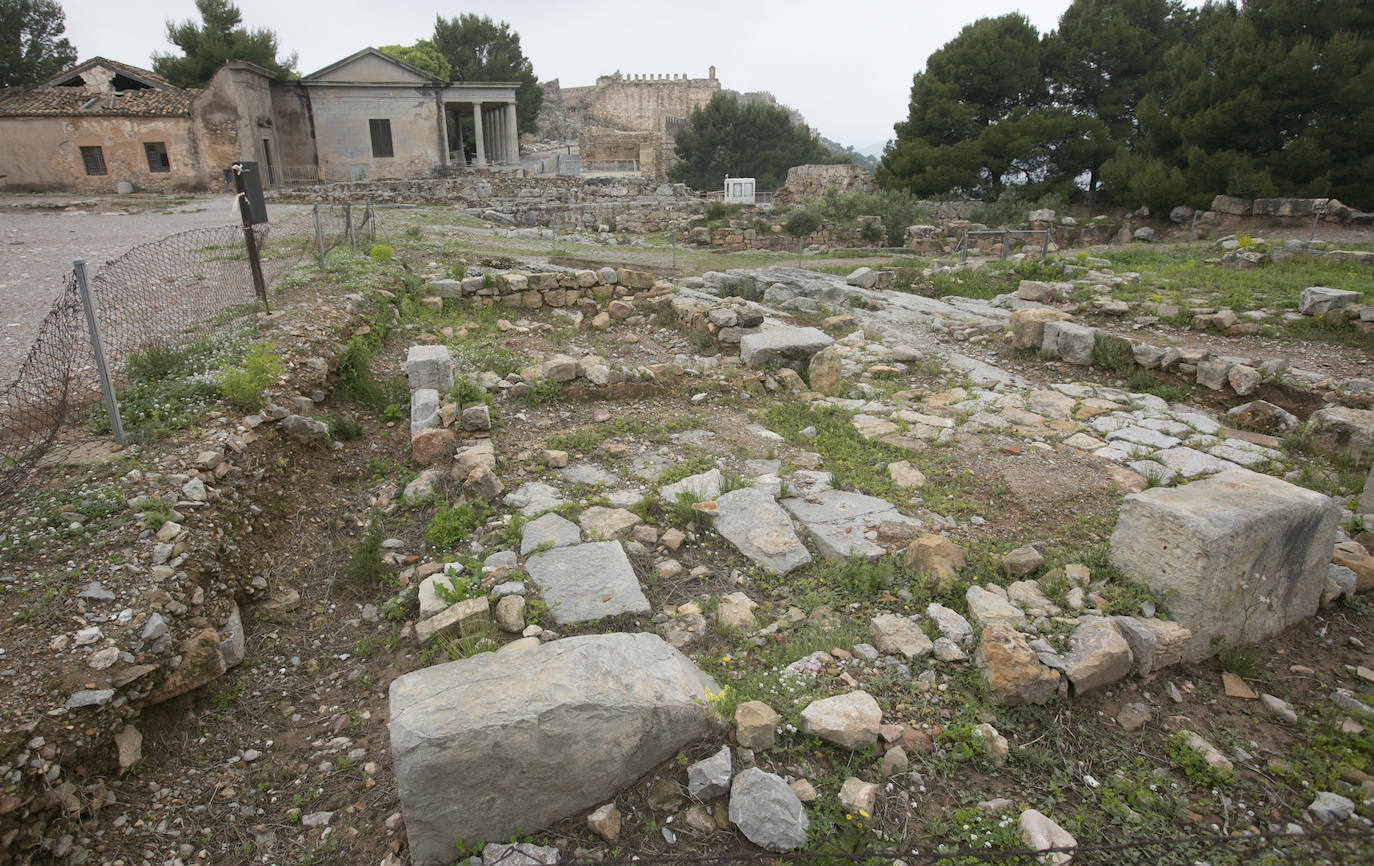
(294,127)
(345,142)
(44,153)
(233,115)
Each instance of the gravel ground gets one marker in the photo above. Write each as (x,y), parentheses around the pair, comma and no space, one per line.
(41,237)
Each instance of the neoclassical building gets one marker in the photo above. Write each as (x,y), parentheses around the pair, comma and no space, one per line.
(368,116)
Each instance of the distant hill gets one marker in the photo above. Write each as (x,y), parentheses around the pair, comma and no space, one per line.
(859,157)
(874,150)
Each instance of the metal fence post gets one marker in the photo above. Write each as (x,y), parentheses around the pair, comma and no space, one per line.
(1192,229)
(1045,246)
(371,223)
(98,348)
(963,247)
(348,225)
(319,238)
(1005,240)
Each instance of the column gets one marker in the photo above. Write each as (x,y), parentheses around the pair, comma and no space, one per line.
(481,160)
(462,147)
(498,137)
(443,133)
(512,134)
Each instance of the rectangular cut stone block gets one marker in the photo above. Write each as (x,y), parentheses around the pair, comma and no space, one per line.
(510,742)
(1070,341)
(1318,300)
(429,367)
(795,345)
(1240,555)
(634,279)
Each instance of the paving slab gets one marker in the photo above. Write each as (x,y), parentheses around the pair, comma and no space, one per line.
(586,582)
(839,521)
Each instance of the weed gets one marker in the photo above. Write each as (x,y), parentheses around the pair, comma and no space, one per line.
(243,383)
(380,253)
(1113,353)
(544,392)
(343,429)
(684,512)
(155,510)
(452,524)
(364,567)
(1193,765)
(474,636)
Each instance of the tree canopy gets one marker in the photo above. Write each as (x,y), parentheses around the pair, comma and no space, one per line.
(1148,102)
(220,37)
(753,140)
(981,117)
(32,47)
(480,49)
(423,56)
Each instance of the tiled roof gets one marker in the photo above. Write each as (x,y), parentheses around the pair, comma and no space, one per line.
(127,69)
(73,101)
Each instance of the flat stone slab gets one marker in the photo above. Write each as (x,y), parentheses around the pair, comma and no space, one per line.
(533,498)
(1191,463)
(586,582)
(759,528)
(589,474)
(785,344)
(511,742)
(840,521)
(704,485)
(550,530)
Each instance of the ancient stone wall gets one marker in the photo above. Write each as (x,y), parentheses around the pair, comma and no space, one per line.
(643,102)
(812,181)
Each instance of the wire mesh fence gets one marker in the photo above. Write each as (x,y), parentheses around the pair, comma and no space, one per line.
(163,293)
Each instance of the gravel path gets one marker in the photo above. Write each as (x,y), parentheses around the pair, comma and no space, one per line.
(37,247)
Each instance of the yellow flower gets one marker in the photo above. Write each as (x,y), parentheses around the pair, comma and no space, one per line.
(863,814)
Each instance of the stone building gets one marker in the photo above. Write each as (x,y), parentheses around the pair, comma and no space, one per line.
(102,124)
(372,116)
(642,114)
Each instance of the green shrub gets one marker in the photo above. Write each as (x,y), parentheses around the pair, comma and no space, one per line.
(717,211)
(243,383)
(544,392)
(343,429)
(452,524)
(380,253)
(802,222)
(871,233)
(364,568)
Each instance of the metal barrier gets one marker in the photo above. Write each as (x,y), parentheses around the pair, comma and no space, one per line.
(1004,234)
(158,294)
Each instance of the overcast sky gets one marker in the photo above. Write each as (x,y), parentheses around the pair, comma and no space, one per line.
(846,65)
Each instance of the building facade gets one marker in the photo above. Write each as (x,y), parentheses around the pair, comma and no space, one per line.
(104,124)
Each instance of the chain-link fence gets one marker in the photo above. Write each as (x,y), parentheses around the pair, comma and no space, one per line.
(162,294)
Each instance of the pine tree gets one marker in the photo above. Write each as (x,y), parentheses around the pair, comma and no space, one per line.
(219,38)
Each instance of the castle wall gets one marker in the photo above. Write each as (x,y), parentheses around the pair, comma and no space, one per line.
(643,102)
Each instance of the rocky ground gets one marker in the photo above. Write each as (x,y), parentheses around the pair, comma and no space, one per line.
(878,528)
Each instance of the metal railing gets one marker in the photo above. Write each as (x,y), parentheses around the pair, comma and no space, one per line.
(1005,235)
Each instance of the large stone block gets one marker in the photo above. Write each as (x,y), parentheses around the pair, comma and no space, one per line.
(795,345)
(1240,555)
(1319,300)
(430,367)
(1343,432)
(512,742)
(1069,341)
(1028,326)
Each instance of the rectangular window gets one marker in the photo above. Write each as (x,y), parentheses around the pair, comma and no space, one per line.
(156,151)
(381,137)
(93,158)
